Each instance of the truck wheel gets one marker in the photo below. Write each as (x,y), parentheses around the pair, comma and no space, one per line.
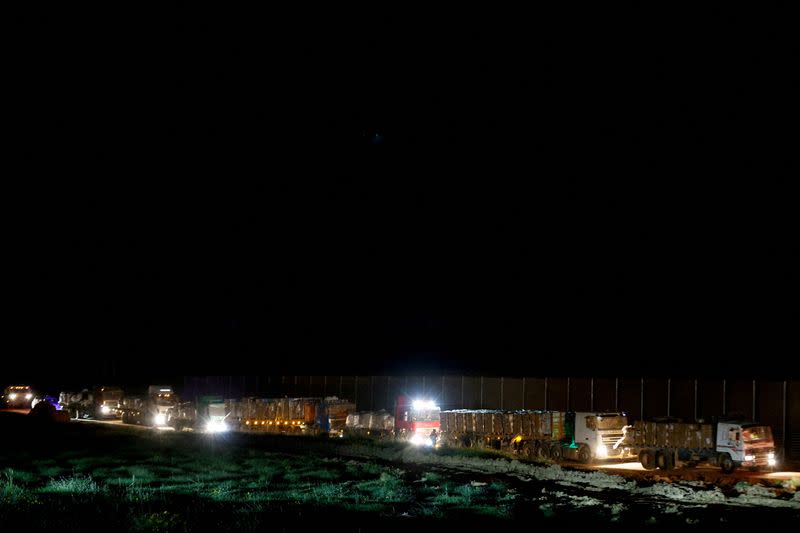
(726,463)
(647,459)
(555,452)
(524,450)
(664,460)
(584,454)
(542,451)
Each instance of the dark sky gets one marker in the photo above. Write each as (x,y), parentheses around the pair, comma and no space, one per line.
(226,194)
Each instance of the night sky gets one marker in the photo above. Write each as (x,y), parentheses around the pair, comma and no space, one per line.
(215,195)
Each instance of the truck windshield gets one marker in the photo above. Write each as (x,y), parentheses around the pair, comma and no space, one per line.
(165,399)
(612,422)
(757,434)
(216,410)
(425,415)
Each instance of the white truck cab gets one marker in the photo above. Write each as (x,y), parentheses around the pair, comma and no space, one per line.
(749,445)
(603,434)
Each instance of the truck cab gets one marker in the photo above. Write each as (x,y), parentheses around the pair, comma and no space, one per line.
(108,401)
(415,420)
(151,410)
(161,399)
(18,396)
(598,435)
(749,445)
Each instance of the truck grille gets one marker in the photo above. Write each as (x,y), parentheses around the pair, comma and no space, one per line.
(610,439)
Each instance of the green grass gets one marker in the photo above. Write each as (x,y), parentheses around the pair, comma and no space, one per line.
(165,482)
(73,485)
(163,521)
(20,475)
(11,491)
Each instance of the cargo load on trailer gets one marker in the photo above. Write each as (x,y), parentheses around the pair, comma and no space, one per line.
(377,423)
(290,415)
(539,434)
(667,443)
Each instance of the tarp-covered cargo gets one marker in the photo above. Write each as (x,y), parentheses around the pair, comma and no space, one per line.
(674,435)
(300,411)
(534,424)
(371,421)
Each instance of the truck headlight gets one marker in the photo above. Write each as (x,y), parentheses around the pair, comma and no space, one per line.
(772,462)
(12,396)
(105,409)
(160,419)
(28,396)
(420,440)
(749,457)
(602,451)
(771,455)
(216,426)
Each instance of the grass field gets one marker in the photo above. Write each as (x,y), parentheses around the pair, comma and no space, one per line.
(81,477)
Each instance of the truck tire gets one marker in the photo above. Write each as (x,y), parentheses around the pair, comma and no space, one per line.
(584,455)
(664,460)
(526,450)
(556,452)
(647,458)
(726,463)
(542,451)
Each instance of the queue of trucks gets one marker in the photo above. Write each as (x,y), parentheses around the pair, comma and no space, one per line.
(531,434)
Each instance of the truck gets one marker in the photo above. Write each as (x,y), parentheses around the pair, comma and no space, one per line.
(414,420)
(536,434)
(100,402)
(151,409)
(317,416)
(17,396)
(667,443)
(207,413)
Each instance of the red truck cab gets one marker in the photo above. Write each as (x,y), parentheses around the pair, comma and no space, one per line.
(416,419)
